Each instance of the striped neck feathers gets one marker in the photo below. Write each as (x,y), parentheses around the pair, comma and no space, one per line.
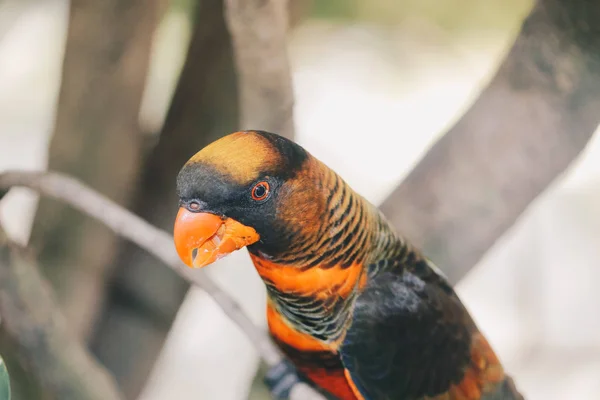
(314,282)
(331,238)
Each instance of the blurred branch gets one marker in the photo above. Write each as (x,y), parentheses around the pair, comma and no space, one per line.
(155,241)
(97,139)
(34,323)
(524,130)
(203,108)
(259,34)
(122,222)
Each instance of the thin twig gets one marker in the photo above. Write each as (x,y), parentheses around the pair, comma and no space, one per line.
(156,241)
(258,33)
(39,331)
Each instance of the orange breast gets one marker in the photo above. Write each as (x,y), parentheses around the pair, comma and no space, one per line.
(325,282)
(284,332)
(332,380)
(335,281)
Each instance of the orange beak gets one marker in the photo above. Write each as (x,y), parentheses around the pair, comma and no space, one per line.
(203,238)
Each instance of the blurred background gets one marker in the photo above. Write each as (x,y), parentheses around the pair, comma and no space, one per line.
(376,83)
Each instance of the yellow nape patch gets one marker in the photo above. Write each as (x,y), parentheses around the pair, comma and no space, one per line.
(241,155)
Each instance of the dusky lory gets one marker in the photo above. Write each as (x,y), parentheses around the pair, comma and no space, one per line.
(358,310)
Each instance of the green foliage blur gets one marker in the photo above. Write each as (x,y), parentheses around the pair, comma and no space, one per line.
(4,382)
(453,17)
(448,15)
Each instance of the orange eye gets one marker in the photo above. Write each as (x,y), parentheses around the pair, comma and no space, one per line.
(260,191)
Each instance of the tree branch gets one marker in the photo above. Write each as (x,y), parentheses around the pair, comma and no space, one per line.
(259,30)
(203,109)
(259,36)
(157,242)
(96,139)
(524,130)
(45,344)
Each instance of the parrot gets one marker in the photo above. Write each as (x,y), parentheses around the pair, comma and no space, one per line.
(358,311)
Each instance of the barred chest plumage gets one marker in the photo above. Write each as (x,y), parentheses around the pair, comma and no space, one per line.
(314,283)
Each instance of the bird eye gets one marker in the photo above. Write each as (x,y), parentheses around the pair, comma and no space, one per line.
(260,191)
(193,206)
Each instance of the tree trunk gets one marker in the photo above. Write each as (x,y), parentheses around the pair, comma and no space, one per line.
(39,334)
(96,139)
(203,108)
(259,31)
(523,131)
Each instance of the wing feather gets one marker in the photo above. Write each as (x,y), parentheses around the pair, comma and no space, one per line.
(411,338)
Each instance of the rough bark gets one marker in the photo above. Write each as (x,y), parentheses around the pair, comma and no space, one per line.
(203,109)
(96,139)
(39,332)
(524,130)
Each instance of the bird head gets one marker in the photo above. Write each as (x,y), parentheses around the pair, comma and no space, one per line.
(248,189)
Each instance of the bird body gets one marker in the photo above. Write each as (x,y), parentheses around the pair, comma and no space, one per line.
(358,310)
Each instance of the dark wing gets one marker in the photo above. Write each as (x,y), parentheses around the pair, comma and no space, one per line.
(411,338)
